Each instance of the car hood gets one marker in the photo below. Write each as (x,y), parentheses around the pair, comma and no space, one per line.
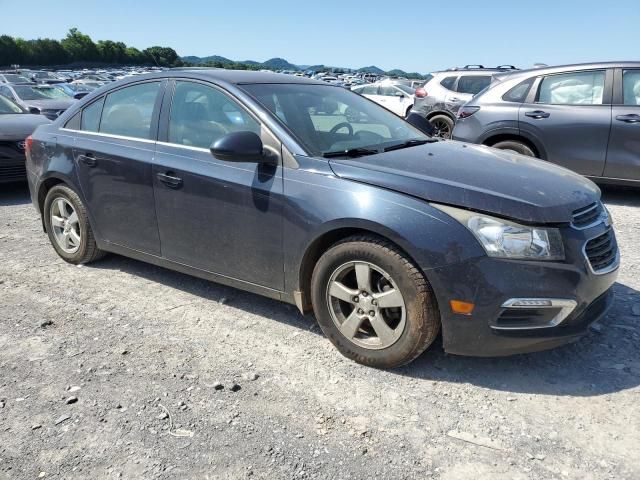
(476,177)
(49,104)
(20,125)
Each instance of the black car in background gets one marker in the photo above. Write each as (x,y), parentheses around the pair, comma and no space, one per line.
(15,126)
(311,194)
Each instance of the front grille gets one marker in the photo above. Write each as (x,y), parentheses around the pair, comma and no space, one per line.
(587,216)
(12,172)
(602,252)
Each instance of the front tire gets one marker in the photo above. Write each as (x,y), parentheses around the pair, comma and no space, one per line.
(515,146)
(67,224)
(373,303)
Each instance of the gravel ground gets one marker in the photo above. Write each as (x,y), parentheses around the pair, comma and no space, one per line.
(125,370)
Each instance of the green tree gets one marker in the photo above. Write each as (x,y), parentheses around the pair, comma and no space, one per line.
(80,47)
(9,51)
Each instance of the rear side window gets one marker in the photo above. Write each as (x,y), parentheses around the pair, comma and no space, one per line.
(575,88)
(129,111)
(519,92)
(369,90)
(91,116)
(473,84)
(631,87)
(448,82)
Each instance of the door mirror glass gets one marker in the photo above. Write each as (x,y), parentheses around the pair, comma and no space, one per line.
(244,146)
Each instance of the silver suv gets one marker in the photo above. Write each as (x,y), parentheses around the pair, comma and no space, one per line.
(445,92)
(584,117)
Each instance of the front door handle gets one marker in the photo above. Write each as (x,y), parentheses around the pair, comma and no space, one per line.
(538,114)
(88,159)
(170,180)
(631,118)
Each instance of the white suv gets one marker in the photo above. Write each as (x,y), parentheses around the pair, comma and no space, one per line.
(440,98)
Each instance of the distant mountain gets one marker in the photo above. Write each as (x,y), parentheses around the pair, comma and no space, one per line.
(372,69)
(280,64)
(212,58)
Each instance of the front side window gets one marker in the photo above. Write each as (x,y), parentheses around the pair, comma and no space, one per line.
(91,116)
(328,119)
(200,115)
(631,87)
(129,111)
(575,88)
(448,82)
(389,91)
(473,84)
(369,90)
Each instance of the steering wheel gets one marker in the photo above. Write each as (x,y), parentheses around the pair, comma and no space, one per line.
(342,125)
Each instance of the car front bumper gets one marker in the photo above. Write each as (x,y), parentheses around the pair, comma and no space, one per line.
(494,286)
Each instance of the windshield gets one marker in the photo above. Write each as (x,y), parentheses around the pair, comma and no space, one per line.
(7,106)
(13,78)
(329,119)
(405,88)
(39,93)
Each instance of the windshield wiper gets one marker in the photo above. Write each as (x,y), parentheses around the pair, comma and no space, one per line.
(410,143)
(351,152)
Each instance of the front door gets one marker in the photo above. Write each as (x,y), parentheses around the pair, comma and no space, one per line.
(571,117)
(220,216)
(623,157)
(114,152)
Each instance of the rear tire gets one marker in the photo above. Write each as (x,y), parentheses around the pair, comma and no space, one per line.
(399,315)
(443,125)
(515,146)
(67,224)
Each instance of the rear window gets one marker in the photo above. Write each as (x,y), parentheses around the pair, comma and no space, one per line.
(473,84)
(448,82)
(519,92)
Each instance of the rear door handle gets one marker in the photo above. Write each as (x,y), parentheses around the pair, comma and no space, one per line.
(632,118)
(538,114)
(88,159)
(170,180)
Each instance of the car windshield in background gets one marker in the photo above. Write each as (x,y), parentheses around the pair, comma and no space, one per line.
(8,107)
(13,78)
(405,88)
(40,93)
(328,120)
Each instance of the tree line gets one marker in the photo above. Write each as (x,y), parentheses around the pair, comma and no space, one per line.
(79,48)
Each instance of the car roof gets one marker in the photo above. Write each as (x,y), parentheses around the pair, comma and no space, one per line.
(629,64)
(238,77)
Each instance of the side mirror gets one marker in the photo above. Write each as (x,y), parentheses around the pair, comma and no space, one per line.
(242,146)
(79,95)
(421,124)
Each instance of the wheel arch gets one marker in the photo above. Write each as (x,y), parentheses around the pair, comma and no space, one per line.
(501,137)
(326,240)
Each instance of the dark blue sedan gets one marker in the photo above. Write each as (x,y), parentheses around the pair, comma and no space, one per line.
(311,194)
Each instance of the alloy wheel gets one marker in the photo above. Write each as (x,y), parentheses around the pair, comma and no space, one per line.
(366,305)
(442,129)
(65,225)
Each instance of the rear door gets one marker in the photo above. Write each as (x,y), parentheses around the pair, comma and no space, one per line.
(569,115)
(623,156)
(114,151)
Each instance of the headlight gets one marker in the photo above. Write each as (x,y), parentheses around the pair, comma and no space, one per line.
(505,239)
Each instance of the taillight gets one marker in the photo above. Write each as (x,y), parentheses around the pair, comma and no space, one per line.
(421,92)
(28,143)
(466,112)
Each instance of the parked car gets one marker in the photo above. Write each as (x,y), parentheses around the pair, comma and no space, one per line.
(39,99)
(394,96)
(13,78)
(46,77)
(389,235)
(442,95)
(584,117)
(15,126)
(75,90)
